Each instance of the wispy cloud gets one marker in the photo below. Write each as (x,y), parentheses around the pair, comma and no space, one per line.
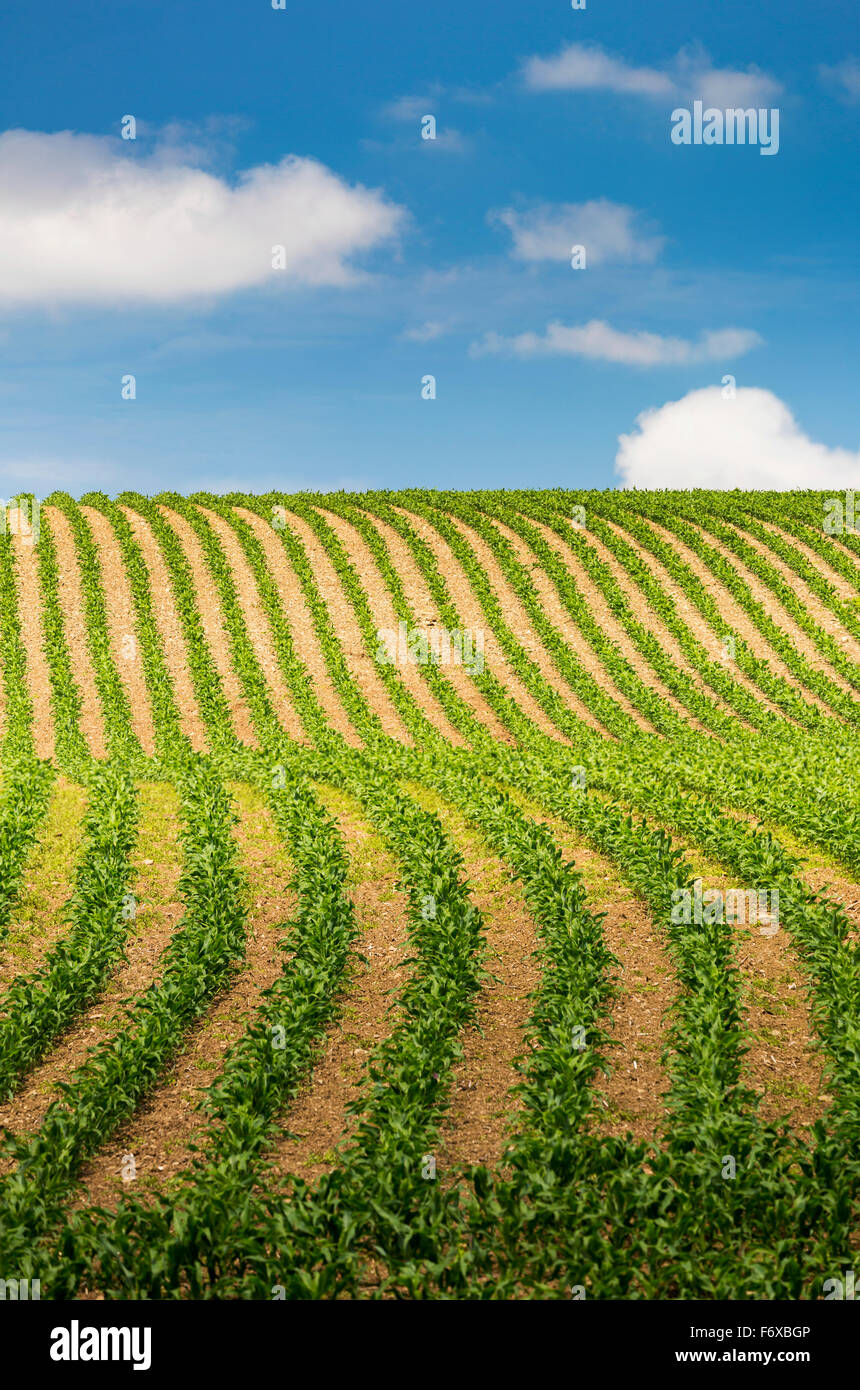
(425,332)
(413,107)
(609,232)
(843,78)
(600,341)
(689,75)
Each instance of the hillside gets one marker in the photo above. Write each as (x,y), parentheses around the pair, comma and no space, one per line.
(434,894)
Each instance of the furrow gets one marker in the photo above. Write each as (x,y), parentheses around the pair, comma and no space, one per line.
(358,659)
(30,609)
(121,625)
(170,628)
(209,609)
(304,635)
(386,622)
(473,618)
(257,626)
(71,598)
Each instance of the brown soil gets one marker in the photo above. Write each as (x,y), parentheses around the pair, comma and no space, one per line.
(782,1063)
(519,622)
(472,616)
(630,1094)
(838,545)
(257,625)
(818,611)
(644,614)
(302,630)
(603,617)
(690,615)
(33,635)
(72,605)
(119,606)
(843,587)
(158,910)
(482,1113)
(170,630)
(385,619)
(832,881)
(212,619)
(162,1134)
(345,624)
(427,614)
(734,615)
(318,1122)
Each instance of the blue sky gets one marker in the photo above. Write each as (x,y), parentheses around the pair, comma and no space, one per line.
(410,257)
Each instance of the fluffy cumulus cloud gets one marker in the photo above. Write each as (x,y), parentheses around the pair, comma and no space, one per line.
(689,75)
(608,231)
(711,440)
(599,340)
(83,219)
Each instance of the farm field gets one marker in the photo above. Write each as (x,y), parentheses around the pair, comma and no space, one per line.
(429,895)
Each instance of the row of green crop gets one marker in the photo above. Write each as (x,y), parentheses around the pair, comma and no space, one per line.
(399,1248)
(27,782)
(199,1237)
(70,746)
(720,565)
(657,710)
(732,537)
(310,711)
(536,1227)
(811,801)
(712,673)
(205,678)
(169,740)
(191,1242)
(36,1009)
(733,843)
(778,690)
(107,1088)
(122,742)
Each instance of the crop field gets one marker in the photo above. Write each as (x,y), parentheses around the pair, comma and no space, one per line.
(430,895)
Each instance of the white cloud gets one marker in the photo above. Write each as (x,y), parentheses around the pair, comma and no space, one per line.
(412,110)
(447,138)
(690,75)
(414,105)
(425,332)
(598,339)
(83,219)
(844,77)
(608,231)
(751,440)
(582,67)
(408,108)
